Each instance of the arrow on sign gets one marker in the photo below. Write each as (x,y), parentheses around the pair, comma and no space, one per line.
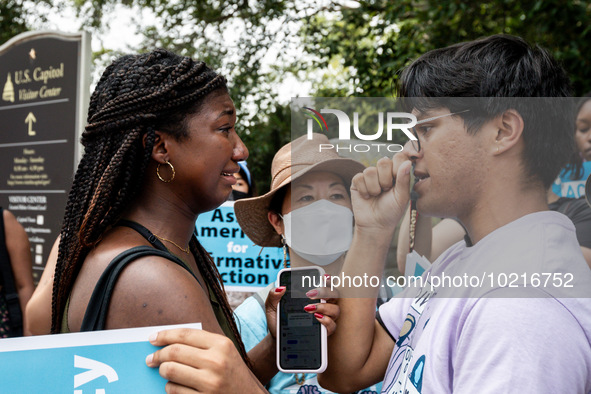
(30,119)
(95,368)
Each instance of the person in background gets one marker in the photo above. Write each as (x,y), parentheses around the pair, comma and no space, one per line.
(38,312)
(583,126)
(244,186)
(304,182)
(571,181)
(16,276)
(570,200)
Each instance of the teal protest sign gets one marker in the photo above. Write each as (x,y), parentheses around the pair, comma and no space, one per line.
(111,361)
(242,265)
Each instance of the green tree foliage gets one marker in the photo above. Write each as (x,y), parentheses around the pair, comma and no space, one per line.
(347,48)
(236,37)
(367,46)
(20,16)
(12,21)
(344,47)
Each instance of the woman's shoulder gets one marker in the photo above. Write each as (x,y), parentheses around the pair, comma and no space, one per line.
(112,244)
(149,290)
(145,266)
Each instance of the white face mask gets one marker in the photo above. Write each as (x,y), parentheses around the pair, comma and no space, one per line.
(320,232)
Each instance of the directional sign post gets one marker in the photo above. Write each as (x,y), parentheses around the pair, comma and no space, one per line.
(30,120)
(45,78)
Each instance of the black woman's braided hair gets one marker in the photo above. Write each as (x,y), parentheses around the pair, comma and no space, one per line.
(136,95)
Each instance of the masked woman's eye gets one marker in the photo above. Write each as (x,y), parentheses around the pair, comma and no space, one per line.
(306,198)
(337,196)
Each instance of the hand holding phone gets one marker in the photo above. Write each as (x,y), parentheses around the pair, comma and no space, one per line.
(301,339)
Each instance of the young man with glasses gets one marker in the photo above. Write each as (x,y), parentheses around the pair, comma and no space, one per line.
(485,155)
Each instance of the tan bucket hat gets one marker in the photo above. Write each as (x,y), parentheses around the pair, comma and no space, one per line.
(291,162)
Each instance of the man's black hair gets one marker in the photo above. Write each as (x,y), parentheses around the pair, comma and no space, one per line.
(491,75)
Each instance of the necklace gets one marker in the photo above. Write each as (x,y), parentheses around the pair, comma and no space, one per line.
(186,250)
(300,380)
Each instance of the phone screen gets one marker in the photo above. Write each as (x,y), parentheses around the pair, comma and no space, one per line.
(299,331)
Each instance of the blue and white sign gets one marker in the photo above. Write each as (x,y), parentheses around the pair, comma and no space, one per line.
(99,362)
(564,186)
(242,264)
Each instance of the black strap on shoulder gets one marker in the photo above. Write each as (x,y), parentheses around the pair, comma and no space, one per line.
(10,293)
(96,312)
(144,232)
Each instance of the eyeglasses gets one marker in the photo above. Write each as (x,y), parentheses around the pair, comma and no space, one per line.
(417,144)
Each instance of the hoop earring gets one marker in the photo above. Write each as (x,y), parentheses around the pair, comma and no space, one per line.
(284,245)
(171,168)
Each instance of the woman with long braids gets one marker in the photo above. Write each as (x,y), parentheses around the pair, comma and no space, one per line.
(160,148)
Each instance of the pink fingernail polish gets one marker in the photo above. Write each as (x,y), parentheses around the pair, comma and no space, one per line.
(318,315)
(310,308)
(312,293)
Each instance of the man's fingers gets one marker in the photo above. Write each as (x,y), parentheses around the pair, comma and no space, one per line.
(402,187)
(358,184)
(375,180)
(385,178)
(372,182)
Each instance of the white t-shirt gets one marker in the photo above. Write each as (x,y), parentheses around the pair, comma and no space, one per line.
(498,329)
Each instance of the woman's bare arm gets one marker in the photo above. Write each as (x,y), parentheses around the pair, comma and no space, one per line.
(19,251)
(38,312)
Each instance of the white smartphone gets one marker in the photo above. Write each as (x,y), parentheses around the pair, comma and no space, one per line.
(301,339)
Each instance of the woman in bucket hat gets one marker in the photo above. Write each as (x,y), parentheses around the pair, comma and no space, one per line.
(308,211)
(195,356)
